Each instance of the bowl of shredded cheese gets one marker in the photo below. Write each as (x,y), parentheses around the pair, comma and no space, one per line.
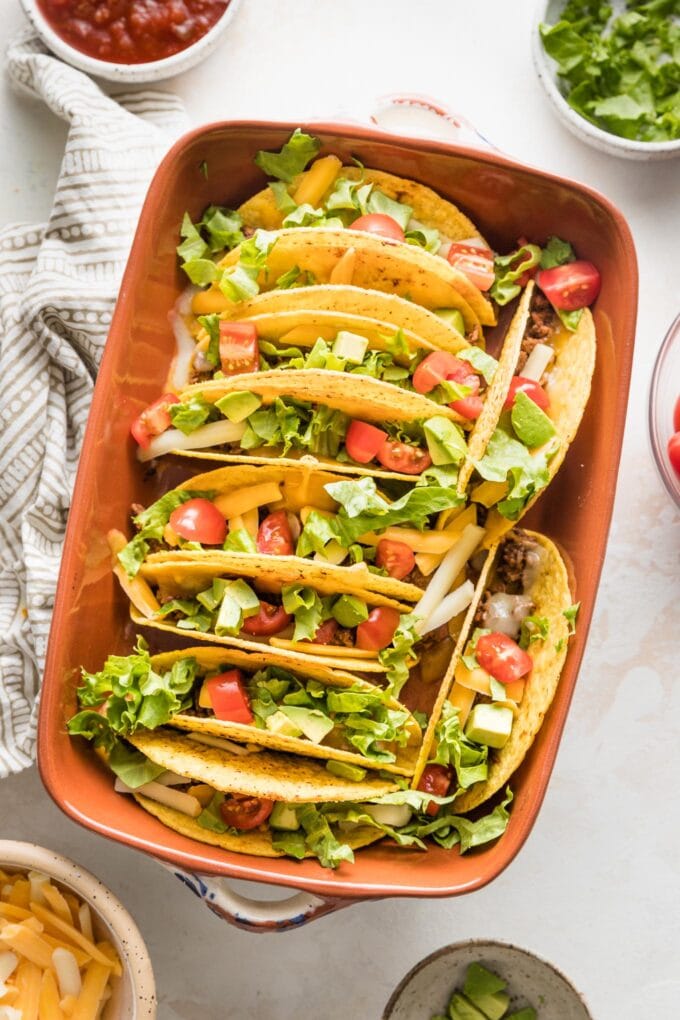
(68,948)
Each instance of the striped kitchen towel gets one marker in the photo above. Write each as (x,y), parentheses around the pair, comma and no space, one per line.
(58,284)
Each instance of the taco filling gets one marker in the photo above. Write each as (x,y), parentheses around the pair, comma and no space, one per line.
(245,698)
(227,347)
(319,516)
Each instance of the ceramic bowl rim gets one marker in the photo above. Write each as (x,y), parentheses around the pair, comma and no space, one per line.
(454,947)
(603,140)
(111,70)
(19,855)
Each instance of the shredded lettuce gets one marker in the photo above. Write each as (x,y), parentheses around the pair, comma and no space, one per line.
(292,157)
(219,228)
(189,415)
(509,269)
(240,282)
(131,766)
(128,694)
(507,459)
(480,361)
(454,749)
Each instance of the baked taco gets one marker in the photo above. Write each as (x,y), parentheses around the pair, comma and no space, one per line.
(272,804)
(551,368)
(312,414)
(252,698)
(303,608)
(500,686)
(390,545)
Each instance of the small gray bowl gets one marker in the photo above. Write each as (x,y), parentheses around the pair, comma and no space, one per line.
(427,988)
(548,12)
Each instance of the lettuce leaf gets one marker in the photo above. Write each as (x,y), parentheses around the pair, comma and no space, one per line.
(320,839)
(506,459)
(131,766)
(396,656)
(308,609)
(509,269)
(480,361)
(240,282)
(189,415)
(363,509)
(292,157)
(132,694)
(454,749)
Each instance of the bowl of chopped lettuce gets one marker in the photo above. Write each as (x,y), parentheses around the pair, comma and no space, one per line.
(481,979)
(612,72)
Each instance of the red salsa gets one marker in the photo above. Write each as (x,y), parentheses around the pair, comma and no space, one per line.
(131,31)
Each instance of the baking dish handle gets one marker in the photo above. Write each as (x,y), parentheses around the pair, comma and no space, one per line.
(418,116)
(259,916)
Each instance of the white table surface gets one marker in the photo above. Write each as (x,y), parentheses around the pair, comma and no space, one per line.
(597,887)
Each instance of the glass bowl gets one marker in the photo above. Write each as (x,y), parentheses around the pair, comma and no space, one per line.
(664,390)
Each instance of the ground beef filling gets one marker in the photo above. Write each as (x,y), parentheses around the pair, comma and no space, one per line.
(543,322)
(517,560)
(418,578)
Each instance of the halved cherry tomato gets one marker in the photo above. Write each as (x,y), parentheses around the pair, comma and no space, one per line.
(571,286)
(274,537)
(674,452)
(239,351)
(153,420)
(676,416)
(436,367)
(199,520)
(436,779)
(245,813)
(377,631)
(533,390)
(395,557)
(363,441)
(270,620)
(475,262)
(326,632)
(402,457)
(379,223)
(229,698)
(502,657)
(468,407)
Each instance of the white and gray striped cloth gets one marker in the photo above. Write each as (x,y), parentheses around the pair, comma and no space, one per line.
(58,284)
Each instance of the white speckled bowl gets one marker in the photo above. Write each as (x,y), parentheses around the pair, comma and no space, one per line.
(548,13)
(427,988)
(154,70)
(134,994)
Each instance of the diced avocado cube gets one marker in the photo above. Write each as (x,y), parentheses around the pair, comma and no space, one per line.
(350,611)
(493,1006)
(461,1008)
(490,724)
(280,724)
(284,816)
(239,405)
(346,771)
(311,721)
(480,981)
(528,1013)
(454,318)
(445,441)
(350,347)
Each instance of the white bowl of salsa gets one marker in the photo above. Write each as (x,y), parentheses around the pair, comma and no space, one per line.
(131,40)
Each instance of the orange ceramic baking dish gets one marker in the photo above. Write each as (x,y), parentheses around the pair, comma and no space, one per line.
(507,200)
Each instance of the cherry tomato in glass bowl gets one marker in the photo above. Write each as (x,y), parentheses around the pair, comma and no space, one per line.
(153,420)
(395,557)
(377,631)
(274,537)
(380,224)
(363,441)
(270,620)
(199,520)
(676,415)
(436,779)
(533,390)
(502,657)
(674,452)
(245,813)
(229,698)
(239,351)
(404,458)
(571,286)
